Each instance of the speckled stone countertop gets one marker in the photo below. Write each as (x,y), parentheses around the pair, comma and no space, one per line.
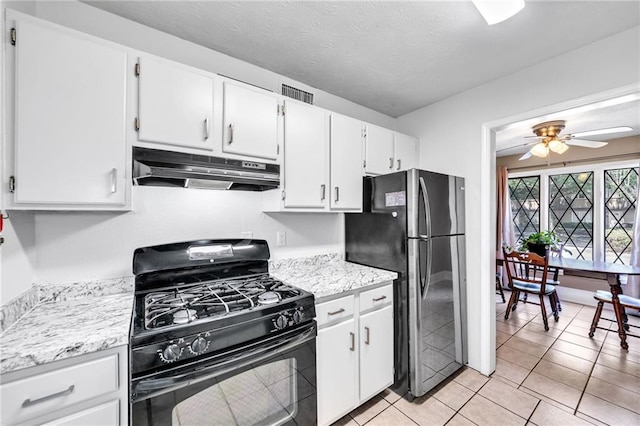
(327,275)
(69,321)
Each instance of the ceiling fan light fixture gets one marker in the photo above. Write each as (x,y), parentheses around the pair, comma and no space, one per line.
(558,147)
(540,150)
(495,11)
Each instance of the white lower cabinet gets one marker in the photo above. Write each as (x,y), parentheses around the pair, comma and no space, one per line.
(354,350)
(85,390)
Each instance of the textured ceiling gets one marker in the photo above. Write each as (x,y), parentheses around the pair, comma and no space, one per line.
(391,56)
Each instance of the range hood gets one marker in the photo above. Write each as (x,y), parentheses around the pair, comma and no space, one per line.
(176,169)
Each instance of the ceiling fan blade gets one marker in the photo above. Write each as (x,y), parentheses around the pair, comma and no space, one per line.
(535,137)
(522,145)
(525,156)
(598,132)
(586,143)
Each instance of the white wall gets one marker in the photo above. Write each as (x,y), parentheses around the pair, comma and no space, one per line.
(82,246)
(451,138)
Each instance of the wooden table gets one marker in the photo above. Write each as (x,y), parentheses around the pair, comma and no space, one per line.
(604,271)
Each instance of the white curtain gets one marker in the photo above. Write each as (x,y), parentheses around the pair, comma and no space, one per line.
(504,229)
(633,281)
(504,223)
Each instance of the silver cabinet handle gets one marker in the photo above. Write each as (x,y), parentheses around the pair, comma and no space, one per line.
(366,334)
(391,162)
(114,180)
(398,164)
(339,311)
(206,128)
(230,133)
(337,194)
(322,191)
(28,402)
(353,342)
(377,299)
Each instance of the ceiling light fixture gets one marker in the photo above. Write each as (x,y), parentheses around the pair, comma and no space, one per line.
(558,147)
(495,11)
(540,150)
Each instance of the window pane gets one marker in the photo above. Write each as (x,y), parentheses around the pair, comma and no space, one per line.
(620,195)
(525,205)
(571,212)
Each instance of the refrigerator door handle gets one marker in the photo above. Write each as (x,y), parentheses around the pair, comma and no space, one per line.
(427,277)
(427,207)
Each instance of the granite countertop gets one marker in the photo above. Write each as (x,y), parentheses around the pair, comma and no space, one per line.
(327,275)
(63,327)
(82,318)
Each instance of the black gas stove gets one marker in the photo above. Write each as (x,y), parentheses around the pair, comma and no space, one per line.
(194,299)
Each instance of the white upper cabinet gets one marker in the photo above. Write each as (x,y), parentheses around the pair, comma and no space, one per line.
(346,163)
(378,150)
(250,121)
(175,104)
(306,148)
(70,114)
(405,152)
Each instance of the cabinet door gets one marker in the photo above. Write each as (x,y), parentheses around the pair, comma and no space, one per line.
(346,163)
(250,121)
(175,104)
(107,414)
(336,371)
(306,144)
(378,150)
(405,152)
(70,118)
(376,352)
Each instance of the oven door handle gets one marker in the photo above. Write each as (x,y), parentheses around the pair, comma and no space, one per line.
(148,388)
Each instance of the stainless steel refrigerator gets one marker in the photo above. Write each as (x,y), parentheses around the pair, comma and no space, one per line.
(413,223)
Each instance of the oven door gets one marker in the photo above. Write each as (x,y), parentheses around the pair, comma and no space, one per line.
(272,382)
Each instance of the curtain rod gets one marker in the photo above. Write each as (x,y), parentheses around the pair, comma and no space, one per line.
(569,162)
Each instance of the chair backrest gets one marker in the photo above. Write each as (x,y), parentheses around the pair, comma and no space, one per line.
(526,267)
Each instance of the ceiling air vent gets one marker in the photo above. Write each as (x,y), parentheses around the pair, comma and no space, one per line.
(298,94)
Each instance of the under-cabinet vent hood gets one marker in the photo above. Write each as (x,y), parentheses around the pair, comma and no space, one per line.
(166,168)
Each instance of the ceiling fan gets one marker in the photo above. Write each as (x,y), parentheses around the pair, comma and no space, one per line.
(550,140)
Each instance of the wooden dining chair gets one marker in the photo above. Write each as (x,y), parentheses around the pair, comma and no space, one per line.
(626,302)
(528,273)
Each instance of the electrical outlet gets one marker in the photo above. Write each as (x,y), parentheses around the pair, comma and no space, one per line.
(281,238)
(246,234)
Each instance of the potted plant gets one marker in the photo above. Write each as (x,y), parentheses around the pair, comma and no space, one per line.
(540,242)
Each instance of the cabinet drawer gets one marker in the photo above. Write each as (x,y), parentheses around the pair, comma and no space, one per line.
(44,393)
(334,310)
(106,414)
(377,297)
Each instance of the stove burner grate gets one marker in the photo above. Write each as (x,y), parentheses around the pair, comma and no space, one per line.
(210,299)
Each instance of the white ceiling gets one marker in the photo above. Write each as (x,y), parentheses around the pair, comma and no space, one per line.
(391,56)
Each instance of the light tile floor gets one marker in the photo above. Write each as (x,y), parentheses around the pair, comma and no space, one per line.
(558,377)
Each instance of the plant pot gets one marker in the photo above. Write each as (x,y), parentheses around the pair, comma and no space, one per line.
(539,249)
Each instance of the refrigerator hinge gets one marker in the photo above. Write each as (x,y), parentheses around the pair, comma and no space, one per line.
(364,132)
(283,195)
(13,36)
(364,163)
(137,124)
(12,184)
(137,70)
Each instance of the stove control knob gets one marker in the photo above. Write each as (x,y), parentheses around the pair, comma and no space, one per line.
(171,353)
(297,316)
(199,345)
(281,322)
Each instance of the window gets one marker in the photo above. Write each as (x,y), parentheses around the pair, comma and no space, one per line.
(525,205)
(591,208)
(620,192)
(571,212)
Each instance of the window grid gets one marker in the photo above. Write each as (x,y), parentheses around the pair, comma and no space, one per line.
(525,205)
(571,211)
(621,188)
